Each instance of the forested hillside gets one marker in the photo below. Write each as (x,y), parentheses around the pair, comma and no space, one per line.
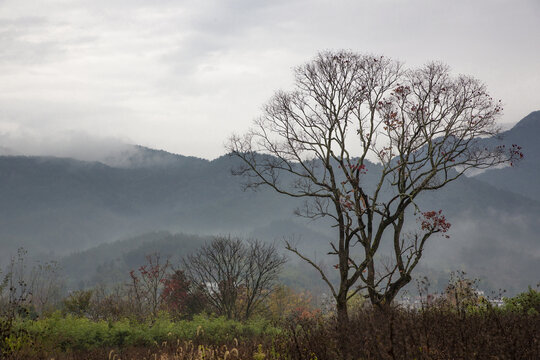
(56,206)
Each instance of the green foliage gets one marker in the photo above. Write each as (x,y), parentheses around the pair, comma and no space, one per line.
(526,302)
(433,333)
(13,342)
(79,333)
(259,354)
(78,302)
(356,303)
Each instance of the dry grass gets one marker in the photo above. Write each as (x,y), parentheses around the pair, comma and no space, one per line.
(431,334)
(177,350)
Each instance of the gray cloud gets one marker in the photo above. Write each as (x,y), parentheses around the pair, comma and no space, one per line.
(79,145)
(182,75)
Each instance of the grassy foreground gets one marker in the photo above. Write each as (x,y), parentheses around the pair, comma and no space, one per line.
(393,334)
(78,337)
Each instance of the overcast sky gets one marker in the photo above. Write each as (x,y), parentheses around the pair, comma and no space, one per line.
(183,75)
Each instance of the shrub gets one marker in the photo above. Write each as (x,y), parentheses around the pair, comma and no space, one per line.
(433,333)
(78,302)
(78,333)
(526,302)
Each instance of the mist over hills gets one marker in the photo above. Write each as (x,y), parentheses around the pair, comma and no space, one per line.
(57,206)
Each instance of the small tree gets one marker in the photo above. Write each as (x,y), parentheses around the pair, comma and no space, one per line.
(113,304)
(45,286)
(284,303)
(180,297)
(526,302)
(147,283)
(29,292)
(234,276)
(423,127)
(461,292)
(14,290)
(78,302)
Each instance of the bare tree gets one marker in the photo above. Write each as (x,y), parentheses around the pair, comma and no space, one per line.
(45,286)
(262,267)
(147,283)
(422,126)
(234,276)
(14,290)
(33,291)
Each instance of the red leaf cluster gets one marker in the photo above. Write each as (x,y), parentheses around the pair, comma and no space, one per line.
(434,221)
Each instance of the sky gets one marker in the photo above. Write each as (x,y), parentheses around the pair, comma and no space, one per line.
(81,77)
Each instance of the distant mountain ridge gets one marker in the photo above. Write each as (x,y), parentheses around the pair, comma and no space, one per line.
(64,204)
(54,206)
(137,156)
(529,123)
(524,178)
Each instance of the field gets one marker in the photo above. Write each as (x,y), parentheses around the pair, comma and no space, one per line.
(431,333)
(127,322)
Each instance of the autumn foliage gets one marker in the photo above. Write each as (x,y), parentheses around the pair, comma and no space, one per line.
(180,298)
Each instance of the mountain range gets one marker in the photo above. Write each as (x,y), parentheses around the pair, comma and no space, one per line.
(55,207)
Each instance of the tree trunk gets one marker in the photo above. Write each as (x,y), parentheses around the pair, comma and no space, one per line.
(342,313)
(343,324)
(384,300)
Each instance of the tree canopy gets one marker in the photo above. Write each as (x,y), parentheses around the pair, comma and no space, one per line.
(424,128)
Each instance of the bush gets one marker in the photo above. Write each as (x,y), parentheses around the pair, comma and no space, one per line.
(527,302)
(433,333)
(78,333)
(78,302)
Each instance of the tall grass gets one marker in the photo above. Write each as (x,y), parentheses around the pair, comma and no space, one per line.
(433,333)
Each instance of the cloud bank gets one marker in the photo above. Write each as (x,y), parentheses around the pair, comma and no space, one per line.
(183,75)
